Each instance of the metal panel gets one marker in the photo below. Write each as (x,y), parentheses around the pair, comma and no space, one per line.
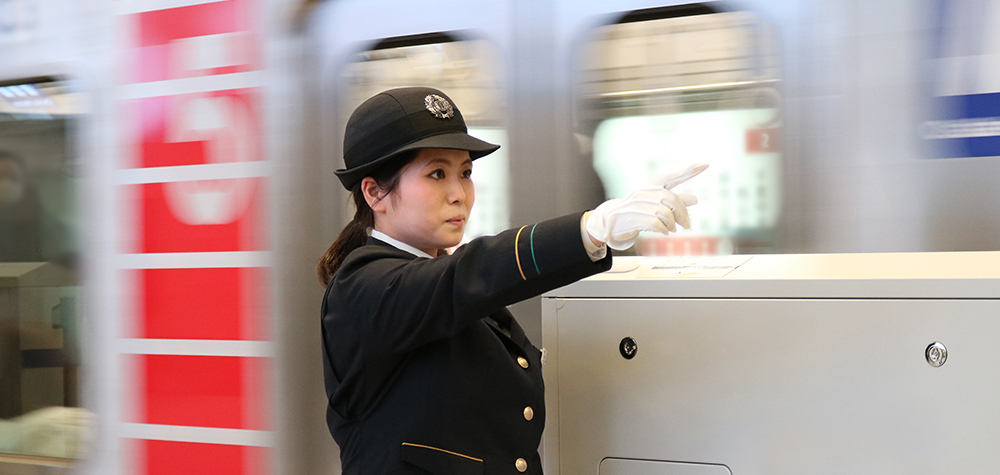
(777,386)
(953,275)
(613,466)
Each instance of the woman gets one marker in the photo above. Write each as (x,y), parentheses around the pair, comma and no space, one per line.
(426,371)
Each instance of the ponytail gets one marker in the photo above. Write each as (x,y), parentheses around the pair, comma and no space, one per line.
(355,234)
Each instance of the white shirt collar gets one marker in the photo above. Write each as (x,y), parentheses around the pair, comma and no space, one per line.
(399,244)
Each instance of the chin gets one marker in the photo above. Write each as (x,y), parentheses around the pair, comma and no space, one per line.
(451,241)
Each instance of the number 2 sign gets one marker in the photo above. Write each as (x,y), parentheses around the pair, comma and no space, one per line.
(762,140)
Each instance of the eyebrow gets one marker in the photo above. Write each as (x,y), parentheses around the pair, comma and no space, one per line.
(445,161)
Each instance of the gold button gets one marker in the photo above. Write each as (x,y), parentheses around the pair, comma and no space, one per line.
(529,413)
(521,465)
(523,362)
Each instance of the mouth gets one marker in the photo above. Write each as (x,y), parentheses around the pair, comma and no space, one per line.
(457,221)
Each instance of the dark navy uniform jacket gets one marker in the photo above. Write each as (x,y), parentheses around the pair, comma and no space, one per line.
(420,372)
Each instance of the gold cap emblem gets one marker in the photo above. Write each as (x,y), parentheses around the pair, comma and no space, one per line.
(439,106)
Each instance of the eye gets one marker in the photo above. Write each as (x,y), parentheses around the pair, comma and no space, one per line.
(467,173)
(438,174)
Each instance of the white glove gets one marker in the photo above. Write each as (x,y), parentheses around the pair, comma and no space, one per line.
(618,222)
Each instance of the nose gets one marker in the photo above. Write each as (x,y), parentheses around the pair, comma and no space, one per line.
(456,192)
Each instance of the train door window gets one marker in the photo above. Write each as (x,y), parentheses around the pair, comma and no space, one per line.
(665,87)
(467,69)
(40,308)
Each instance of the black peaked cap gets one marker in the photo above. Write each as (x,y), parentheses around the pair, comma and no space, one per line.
(399,120)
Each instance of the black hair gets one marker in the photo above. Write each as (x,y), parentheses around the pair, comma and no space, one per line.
(355,234)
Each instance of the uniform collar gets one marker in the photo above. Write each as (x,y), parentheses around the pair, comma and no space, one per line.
(399,244)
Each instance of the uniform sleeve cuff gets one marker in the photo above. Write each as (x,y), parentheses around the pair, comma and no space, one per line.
(596,253)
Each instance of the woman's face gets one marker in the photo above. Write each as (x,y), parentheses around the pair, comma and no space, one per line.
(431,205)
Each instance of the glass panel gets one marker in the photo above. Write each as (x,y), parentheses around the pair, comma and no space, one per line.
(39,285)
(665,88)
(468,72)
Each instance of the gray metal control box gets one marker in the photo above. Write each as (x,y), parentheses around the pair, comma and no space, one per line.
(776,364)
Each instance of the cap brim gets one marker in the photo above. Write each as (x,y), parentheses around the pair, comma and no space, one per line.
(454,141)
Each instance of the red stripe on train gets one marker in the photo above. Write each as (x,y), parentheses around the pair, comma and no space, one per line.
(188,458)
(203,304)
(203,391)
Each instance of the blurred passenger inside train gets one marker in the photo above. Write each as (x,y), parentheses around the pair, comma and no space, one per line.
(426,370)
(28,233)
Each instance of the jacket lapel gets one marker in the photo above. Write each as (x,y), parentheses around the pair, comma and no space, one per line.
(496,321)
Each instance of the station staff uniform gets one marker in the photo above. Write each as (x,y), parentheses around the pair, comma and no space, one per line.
(426,371)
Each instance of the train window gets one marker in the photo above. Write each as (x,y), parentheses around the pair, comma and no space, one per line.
(40,308)
(465,68)
(666,87)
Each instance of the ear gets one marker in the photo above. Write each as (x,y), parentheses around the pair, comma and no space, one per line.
(373,194)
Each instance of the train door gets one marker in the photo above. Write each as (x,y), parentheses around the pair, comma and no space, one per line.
(651,90)
(43,421)
(47,363)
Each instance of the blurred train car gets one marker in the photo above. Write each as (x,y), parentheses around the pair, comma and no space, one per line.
(166,178)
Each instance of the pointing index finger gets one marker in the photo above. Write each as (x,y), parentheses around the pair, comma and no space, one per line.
(678,178)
